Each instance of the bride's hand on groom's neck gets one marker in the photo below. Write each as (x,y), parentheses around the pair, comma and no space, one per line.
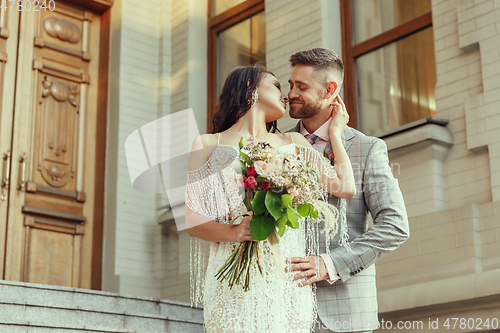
(339,116)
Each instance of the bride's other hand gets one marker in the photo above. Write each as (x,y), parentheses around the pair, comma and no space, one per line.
(242,230)
(312,267)
(339,116)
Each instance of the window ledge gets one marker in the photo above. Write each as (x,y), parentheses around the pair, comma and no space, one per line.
(168,219)
(417,135)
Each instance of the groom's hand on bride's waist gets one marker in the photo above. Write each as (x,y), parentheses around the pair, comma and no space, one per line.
(312,268)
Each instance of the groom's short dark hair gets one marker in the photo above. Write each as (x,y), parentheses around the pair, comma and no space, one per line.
(323,60)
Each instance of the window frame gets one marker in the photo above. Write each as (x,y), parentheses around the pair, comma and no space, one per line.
(217,24)
(350,52)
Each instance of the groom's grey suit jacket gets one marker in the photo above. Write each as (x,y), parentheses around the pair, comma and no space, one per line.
(350,304)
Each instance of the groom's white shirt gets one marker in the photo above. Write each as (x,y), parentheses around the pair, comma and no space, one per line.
(320,145)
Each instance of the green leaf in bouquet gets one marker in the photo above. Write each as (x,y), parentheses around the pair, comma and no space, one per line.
(304,210)
(315,213)
(281,224)
(273,204)
(291,225)
(293,221)
(236,166)
(239,166)
(261,227)
(258,205)
(232,221)
(242,142)
(309,211)
(245,201)
(246,158)
(286,200)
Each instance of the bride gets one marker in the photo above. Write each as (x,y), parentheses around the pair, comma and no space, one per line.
(250,103)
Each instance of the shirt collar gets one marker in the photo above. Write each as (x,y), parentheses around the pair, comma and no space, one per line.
(321,132)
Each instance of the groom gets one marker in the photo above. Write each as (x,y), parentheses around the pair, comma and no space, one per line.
(346,290)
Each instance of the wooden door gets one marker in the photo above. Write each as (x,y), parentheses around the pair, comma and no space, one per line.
(9,24)
(51,226)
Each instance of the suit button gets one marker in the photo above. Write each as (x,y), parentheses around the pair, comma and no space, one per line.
(361,268)
(351,274)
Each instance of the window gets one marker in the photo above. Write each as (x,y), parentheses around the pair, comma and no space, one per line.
(237,37)
(390,71)
(220,6)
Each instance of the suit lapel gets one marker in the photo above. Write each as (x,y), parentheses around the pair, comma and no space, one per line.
(295,129)
(346,136)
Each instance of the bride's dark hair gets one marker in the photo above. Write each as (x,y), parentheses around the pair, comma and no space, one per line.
(236,96)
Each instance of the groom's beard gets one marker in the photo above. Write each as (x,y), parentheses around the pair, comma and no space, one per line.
(305,110)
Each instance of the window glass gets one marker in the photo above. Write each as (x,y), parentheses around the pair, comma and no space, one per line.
(243,44)
(373,17)
(396,83)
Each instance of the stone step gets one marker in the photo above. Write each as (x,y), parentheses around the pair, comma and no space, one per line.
(28,307)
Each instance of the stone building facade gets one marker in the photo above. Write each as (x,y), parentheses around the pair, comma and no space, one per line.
(448,166)
(449,171)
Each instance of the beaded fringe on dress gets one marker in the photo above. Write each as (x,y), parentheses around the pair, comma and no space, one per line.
(212,191)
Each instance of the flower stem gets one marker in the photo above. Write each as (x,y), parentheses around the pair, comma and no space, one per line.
(258,260)
(228,263)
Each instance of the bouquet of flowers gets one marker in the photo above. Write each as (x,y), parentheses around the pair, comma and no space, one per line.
(281,189)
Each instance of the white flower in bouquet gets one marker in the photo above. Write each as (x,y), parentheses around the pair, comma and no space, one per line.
(281,190)
(263,169)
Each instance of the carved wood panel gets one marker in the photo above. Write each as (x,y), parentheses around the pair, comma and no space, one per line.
(61,63)
(4,19)
(4,35)
(65,29)
(52,251)
(50,222)
(57,127)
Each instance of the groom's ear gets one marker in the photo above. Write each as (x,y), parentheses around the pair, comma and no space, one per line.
(331,88)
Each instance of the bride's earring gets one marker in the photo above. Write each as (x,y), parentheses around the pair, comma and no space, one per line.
(255,97)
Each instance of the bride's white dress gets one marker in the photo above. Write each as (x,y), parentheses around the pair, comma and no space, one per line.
(272,304)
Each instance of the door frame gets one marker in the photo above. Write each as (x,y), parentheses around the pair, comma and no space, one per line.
(102,7)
